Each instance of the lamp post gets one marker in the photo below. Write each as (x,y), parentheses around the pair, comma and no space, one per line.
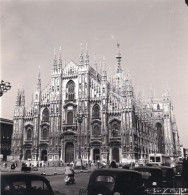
(79,118)
(4,87)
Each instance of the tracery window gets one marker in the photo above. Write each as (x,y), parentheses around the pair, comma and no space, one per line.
(96,130)
(45,115)
(96,111)
(71,90)
(70,118)
(29,132)
(45,134)
(115,128)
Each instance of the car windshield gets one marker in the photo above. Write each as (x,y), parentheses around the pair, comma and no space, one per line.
(105,178)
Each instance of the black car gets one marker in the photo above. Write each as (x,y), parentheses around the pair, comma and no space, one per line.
(25,184)
(111,181)
(179,168)
(168,177)
(152,176)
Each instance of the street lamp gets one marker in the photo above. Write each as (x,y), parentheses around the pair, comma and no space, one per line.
(4,87)
(79,118)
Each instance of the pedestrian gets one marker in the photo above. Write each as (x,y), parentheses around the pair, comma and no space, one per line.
(113,164)
(12,166)
(98,163)
(68,169)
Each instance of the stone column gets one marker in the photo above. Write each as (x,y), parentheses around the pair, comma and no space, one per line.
(91,154)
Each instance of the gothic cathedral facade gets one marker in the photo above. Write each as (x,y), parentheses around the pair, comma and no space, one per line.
(82,113)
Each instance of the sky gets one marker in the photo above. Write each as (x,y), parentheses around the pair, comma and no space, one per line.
(152,35)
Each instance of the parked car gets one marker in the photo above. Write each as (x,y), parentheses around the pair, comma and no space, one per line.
(168,176)
(152,176)
(25,183)
(179,168)
(111,181)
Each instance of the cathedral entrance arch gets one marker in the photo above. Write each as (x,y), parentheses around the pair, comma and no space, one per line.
(96,154)
(115,154)
(44,155)
(69,152)
(28,154)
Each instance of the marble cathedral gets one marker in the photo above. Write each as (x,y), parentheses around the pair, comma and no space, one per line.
(114,125)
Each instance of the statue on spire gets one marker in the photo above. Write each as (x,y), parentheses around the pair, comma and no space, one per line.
(118,57)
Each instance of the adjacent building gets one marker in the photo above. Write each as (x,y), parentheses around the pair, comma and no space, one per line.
(6,129)
(84,113)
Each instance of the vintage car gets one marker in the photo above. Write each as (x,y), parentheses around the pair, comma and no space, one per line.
(168,176)
(115,181)
(152,176)
(179,168)
(25,184)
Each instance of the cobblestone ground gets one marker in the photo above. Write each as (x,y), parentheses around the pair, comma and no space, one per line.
(58,184)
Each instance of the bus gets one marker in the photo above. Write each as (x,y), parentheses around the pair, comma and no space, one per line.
(160,159)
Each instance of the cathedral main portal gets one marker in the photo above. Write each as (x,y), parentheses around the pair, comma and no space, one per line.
(115,154)
(69,152)
(96,154)
(44,155)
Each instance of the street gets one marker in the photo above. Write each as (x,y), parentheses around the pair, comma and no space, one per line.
(59,186)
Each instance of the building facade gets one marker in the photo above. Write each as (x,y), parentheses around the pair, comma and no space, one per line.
(83,113)
(6,129)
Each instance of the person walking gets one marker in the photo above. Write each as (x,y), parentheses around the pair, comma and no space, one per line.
(68,170)
(113,164)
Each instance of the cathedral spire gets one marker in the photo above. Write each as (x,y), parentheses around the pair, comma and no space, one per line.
(101,66)
(95,63)
(81,58)
(55,60)
(104,67)
(87,55)
(118,57)
(166,95)
(39,80)
(60,59)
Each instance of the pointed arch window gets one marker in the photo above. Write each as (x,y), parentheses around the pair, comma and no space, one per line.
(96,111)
(45,134)
(29,133)
(96,130)
(45,115)
(158,107)
(70,118)
(71,90)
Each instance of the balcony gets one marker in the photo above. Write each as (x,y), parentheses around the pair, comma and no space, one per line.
(46,141)
(96,137)
(115,139)
(28,141)
(72,127)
